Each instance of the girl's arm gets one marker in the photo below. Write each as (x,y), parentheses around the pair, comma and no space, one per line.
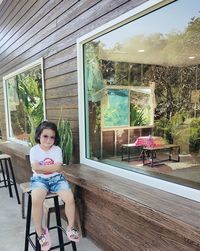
(57,167)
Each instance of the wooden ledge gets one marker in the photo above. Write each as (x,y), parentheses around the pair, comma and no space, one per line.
(16,149)
(177,214)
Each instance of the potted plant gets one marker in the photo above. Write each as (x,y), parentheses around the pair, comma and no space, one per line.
(66,139)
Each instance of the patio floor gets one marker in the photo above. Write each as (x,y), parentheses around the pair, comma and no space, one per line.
(13,227)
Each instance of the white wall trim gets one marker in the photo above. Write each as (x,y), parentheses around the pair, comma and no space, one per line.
(123,19)
(24,68)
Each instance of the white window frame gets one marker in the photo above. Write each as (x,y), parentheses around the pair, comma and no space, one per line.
(167,186)
(7,114)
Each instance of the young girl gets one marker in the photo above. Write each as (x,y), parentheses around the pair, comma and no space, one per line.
(46,162)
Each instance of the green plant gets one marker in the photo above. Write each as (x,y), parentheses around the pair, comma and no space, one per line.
(162,127)
(195,135)
(66,139)
(136,116)
(30,108)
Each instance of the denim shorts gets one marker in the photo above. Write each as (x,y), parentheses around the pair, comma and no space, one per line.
(52,184)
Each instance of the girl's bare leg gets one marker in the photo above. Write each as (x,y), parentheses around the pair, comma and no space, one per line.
(38,195)
(68,198)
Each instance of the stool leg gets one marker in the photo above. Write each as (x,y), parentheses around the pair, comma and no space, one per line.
(14,181)
(58,220)
(48,219)
(3,173)
(8,178)
(74,246)
(28,222)
(23,205)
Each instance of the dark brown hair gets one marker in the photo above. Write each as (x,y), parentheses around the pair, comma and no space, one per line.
(47,125)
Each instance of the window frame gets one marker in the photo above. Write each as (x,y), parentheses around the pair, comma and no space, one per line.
(38,62)
(167,186)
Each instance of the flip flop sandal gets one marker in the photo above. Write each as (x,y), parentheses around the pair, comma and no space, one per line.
(73,234)
(45,240)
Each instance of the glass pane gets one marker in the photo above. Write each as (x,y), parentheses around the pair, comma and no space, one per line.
(24,103)
(142,84)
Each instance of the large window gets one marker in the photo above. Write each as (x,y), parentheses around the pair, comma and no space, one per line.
(141,79)
(24,102)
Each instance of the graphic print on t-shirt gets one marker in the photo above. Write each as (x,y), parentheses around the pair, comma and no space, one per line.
(47,161)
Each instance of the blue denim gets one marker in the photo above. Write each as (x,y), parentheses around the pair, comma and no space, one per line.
(52,184)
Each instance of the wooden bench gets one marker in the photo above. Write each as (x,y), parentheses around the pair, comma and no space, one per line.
(131,151)
(152,153)
(120,214)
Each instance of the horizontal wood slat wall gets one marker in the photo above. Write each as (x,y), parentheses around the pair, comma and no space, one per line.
(121,215)
(121,229)
(33,29)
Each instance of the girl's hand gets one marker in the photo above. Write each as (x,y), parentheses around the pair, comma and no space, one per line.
(60,169)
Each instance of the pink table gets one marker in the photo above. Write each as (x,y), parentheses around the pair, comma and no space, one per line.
(149,141)
(137,146)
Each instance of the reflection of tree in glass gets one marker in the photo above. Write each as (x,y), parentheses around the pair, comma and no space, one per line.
(29,112)
(136,116)
(94,89)
(93,74)
(140,109)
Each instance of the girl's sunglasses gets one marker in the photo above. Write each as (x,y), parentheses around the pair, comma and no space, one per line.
(48,137)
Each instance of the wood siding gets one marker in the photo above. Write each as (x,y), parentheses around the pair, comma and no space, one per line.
(31,29)
(123,215)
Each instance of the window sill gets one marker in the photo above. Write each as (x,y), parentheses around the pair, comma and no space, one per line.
(16,149)
(175,213)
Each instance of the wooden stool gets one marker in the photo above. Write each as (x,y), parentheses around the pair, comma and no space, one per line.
(8,175)
(48,205)
(28,235)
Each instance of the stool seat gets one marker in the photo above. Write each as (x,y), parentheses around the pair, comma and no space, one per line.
(28,235)
(4,156)
(8,176)
(25,187)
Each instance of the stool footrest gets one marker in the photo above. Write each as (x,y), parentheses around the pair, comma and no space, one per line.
(53,247)
(5,181)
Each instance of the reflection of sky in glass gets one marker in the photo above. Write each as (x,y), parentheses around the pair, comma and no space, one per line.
(171,18)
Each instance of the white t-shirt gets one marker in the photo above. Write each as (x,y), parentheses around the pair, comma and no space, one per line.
(52,156)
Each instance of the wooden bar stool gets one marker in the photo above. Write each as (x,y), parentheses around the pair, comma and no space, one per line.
(29,235)
(48,205)
(8,177)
